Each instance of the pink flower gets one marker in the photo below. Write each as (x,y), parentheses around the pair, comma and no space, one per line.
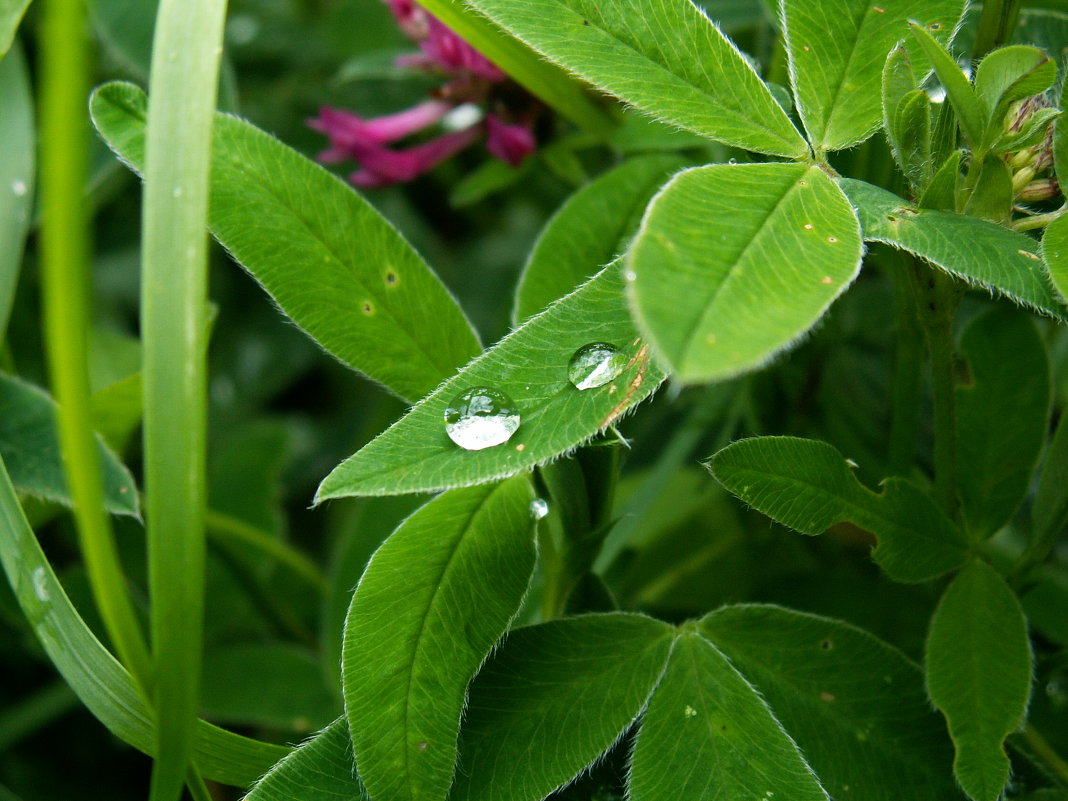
(471,79)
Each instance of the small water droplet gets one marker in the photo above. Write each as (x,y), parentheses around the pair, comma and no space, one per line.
(422,745)
(177,191)
(732,161)
(481,417)
(40,585)
(630,275)
(689,712)
(538,508)
(595,364)
(19,188)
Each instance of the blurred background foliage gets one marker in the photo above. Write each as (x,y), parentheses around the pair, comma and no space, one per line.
(283,413)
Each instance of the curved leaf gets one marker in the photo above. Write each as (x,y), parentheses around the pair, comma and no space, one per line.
(667,59)
(17,152)
(96,677)
(1055,253)
(319,770)
(333,264)
(808,486)
(981,253)
(410,651)
(29,443)
(708,734)
(11,12)
(552,699)
(836,52)
(855,705)
(530,366)
(590,230)
(979,674)
(733,263)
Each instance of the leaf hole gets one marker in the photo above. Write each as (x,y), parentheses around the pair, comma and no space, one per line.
(809,226)
(935,26)
(391,278)
(826,644)
(832,239)
(367,308)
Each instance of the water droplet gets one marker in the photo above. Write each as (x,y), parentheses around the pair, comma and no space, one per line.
(538,508)
(19,188)
(177,191)
(595,364)
(689,712)
(40,585)
(481,417)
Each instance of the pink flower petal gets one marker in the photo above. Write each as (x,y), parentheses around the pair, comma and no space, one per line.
(381,166)
(510,143)
(345,130)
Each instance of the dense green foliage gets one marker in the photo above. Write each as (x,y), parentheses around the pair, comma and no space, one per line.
(274,514)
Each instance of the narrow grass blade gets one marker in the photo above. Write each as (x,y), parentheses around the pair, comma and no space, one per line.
(17,155)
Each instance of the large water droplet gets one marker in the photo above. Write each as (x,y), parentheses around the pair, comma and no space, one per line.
(538,508)
(481,417)
(596,364)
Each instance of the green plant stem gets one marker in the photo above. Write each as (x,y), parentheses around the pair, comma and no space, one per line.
(1036,221)
(937,296)
(65,282)
(229,529)
(997,22)
(1041,748)
(182,89)
(905,397)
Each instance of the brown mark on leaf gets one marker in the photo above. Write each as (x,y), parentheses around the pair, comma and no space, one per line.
(642,359)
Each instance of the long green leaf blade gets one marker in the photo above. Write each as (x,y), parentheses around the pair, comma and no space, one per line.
(808,486)
(319,770)
(17,154)
(334,265)
(589,231)
(29,443)
(707,733)
(836,52)
(552,700)
(734,262)
(1055,252)
(979,674)
(11,12)
(531,367)
(466,557)
(1002,416)
(979,252)
(667,59)
(855,705)
(96,677)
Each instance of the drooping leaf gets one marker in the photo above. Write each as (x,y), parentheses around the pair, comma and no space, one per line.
(466,559)
(708,734)
(552,699)
(808,486)
(835,53)
(333,264)
(319,770)
(855,705)
(17,151)
(734,262)
(589,231)
(531,367)
(958,88)
(979,674)
(1002,415)
(979,252)
(1055,252)
(667,59)
(11,12)
(96,677)
(29,443)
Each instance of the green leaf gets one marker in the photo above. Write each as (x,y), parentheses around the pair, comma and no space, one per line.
(979,252)
(99,680)
(1002,414)
(29,443)
(124,28)
(733,263)
(589,231)
(941,193)
(11,12)
(530,366)
(708,734)
(333,264)
(466,557)
(286,690)
(319,770)
(855,705)
(1055,252)
(979,674)
(958,88)
(991,190)
(906,117)
(808,486)
(1050,510)
(1007,75)
(834,51)
(552,699)
(667,59)
(17,152)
